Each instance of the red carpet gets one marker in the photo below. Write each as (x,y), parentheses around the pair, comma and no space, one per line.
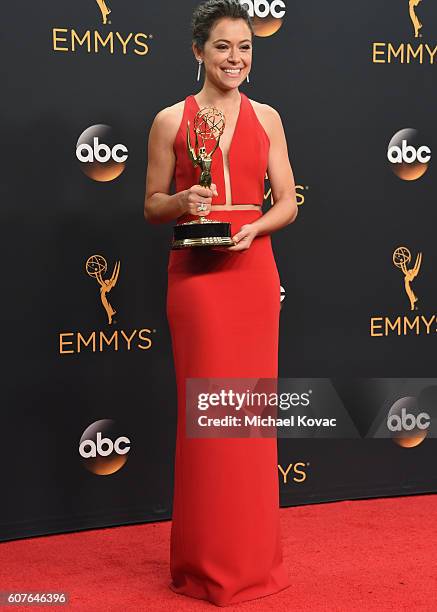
(378,554)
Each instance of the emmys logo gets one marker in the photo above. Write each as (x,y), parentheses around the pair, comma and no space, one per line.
(406,53)
(408,426)
(102,449)
(96,266)
(294,472)
(267,16)
(99,340)
(101,157)
(69,40)
(408,160)
(404,325)
(104,10)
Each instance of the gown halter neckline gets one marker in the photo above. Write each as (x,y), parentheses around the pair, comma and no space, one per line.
(236,124)
(246,158)
(227,158)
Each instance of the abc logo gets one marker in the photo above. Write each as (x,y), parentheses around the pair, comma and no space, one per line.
(407,156)
(101,156)
(102,448)
(281,296)
(408,424)
(407,421)
(266,15)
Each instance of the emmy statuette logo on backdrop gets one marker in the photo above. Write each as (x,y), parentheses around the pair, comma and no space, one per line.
(95,267)
(401,259)
(412,4)
(104,10)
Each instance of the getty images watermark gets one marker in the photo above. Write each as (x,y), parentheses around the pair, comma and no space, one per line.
(311,408)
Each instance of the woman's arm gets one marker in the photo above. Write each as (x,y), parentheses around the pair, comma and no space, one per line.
(284,210)
(159,206)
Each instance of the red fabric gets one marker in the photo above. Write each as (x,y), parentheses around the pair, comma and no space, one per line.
(248,157)
(223,312)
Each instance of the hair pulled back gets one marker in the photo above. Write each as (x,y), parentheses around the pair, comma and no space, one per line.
(207,13)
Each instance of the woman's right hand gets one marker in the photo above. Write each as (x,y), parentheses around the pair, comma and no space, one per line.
(196,195)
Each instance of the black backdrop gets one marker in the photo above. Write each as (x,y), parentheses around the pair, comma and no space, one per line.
(346,78)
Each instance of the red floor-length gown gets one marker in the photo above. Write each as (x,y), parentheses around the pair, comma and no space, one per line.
(223,313)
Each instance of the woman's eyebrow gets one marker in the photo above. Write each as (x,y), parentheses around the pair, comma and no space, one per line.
(228,41)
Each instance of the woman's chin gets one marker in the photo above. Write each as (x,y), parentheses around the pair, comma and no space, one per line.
(229,84)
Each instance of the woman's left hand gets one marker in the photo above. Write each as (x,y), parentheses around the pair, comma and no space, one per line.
(243,239)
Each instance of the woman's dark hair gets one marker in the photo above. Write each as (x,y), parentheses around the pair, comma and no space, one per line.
(207,13)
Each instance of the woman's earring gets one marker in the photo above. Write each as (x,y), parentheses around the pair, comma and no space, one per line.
(247,77)
(198,70)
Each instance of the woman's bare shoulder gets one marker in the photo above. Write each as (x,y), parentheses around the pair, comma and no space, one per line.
(267,115)
(170,116)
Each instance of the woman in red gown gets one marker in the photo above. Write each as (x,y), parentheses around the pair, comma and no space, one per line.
(223,311)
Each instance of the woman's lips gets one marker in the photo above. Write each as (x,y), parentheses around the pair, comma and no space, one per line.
(232,72)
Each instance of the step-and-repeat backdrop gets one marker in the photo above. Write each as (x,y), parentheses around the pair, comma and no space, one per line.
(89,395)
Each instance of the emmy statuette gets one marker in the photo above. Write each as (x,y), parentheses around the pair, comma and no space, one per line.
(209,124)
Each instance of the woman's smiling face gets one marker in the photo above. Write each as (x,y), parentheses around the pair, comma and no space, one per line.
(227,53)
